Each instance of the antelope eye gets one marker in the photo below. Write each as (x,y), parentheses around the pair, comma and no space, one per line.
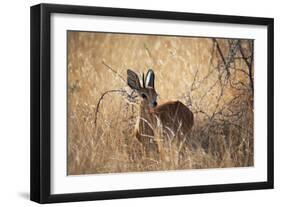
(143,96)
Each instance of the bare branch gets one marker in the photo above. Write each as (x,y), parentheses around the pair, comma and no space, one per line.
(149,54)
(220,51)
(114,71)
(248,63)
(129,97)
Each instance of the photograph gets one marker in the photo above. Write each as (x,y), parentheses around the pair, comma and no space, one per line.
(132,103)
(155,102)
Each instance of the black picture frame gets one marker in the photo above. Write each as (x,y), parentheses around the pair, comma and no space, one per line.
(41,98)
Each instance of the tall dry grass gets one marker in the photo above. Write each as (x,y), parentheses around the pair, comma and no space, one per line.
(187,69)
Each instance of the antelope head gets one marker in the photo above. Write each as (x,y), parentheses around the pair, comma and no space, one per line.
(146,91)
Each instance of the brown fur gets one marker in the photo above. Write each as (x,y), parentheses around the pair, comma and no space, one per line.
(174,118)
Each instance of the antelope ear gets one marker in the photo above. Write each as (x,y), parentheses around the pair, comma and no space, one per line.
(149,78)
(133,80)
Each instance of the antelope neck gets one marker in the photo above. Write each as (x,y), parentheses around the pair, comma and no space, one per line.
(145,111)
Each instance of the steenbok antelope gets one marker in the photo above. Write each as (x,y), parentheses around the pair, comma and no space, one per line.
(173,117)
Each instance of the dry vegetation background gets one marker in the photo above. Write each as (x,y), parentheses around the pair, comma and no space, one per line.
(213,77)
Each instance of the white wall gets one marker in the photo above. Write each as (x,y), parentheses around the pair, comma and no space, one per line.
(14,104)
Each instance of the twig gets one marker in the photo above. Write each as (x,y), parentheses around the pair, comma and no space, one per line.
(149,54)
(220,52)
(194,80)
(233,45)
(249,64)
(101,98)
(114,71)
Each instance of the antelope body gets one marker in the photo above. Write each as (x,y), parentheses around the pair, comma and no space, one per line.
(174,118)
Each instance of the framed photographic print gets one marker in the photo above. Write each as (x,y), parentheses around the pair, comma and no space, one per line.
(133,103)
